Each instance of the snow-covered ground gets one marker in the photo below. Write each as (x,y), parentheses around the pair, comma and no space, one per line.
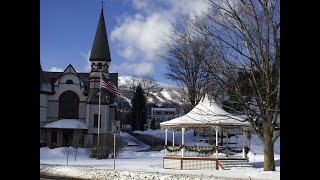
(166,95)
(133,163)
(156,96)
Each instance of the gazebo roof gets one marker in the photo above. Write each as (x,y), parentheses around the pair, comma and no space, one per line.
(206,113)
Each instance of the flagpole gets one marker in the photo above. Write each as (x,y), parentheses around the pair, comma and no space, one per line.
(99,113)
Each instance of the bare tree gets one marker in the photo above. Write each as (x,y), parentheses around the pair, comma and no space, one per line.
(184,53)
(186,105)
(77,141)
(66,151)
(147,83)
(119,147)
(245,61)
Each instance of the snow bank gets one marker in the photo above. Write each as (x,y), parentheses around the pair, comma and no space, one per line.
(131,163)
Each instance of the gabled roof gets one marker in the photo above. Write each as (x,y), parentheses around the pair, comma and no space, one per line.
(205,114)
(70,69)
(100,48)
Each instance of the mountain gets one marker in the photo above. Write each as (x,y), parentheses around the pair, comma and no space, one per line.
(162,94)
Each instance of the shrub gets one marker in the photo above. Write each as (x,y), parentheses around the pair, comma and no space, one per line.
(53,145)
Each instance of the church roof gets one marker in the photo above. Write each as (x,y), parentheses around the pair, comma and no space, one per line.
(100,49)
(45,85)
(205,114)
(52,76)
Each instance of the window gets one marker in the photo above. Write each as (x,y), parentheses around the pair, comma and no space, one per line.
(95,121)
(106,68)
(54,136)
(69,81)
(99,65)
(69,105)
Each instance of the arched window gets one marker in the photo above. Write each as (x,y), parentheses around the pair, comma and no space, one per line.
(99,66)
(69,105)
(69,81)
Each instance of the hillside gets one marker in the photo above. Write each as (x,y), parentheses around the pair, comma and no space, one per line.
(162,95)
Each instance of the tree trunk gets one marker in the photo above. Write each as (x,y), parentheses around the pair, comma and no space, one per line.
(67,158)
(139,120)
(269,164)
(75,155)
(191,95)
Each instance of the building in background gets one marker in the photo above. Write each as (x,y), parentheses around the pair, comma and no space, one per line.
(158,115)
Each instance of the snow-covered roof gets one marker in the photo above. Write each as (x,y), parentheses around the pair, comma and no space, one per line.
(66,124)
(206,113)
(46,87)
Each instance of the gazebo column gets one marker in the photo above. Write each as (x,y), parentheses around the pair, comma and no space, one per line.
(217,134)
(172,137)
(166,137)
(182,136)
(198,132)
(227,146)
(236,140)
(244,155)
(166,141)
(182,142)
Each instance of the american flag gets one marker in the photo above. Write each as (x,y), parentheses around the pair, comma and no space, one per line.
(110,86)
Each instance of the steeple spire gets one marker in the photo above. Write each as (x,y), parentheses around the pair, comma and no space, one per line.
(101,5)
(100,49)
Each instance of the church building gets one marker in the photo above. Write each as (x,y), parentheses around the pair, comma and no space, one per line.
(69,100)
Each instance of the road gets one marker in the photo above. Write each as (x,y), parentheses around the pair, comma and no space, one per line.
(155,143)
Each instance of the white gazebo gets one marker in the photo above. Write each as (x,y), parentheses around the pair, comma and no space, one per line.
(206,115)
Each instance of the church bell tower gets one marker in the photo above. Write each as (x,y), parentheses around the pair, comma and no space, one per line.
(100,59)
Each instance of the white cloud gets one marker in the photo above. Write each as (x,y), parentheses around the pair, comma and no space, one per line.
(137,35)
(86,56)
(128,52)
(139,4)
(189,7)
(55,69)
(136,69)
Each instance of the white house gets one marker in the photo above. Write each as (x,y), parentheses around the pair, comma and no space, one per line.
(159,115)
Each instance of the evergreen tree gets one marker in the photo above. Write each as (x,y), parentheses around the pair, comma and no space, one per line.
(153,124)
(139,110)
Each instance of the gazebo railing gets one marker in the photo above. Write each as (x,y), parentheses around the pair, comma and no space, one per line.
(173,150)
(199,151)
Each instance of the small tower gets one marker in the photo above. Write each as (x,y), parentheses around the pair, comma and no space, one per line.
(100,59)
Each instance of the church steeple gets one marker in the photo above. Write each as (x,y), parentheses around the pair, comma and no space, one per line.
(100,59)
(100,49)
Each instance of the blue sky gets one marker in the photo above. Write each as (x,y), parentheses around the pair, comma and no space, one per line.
(134,27)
